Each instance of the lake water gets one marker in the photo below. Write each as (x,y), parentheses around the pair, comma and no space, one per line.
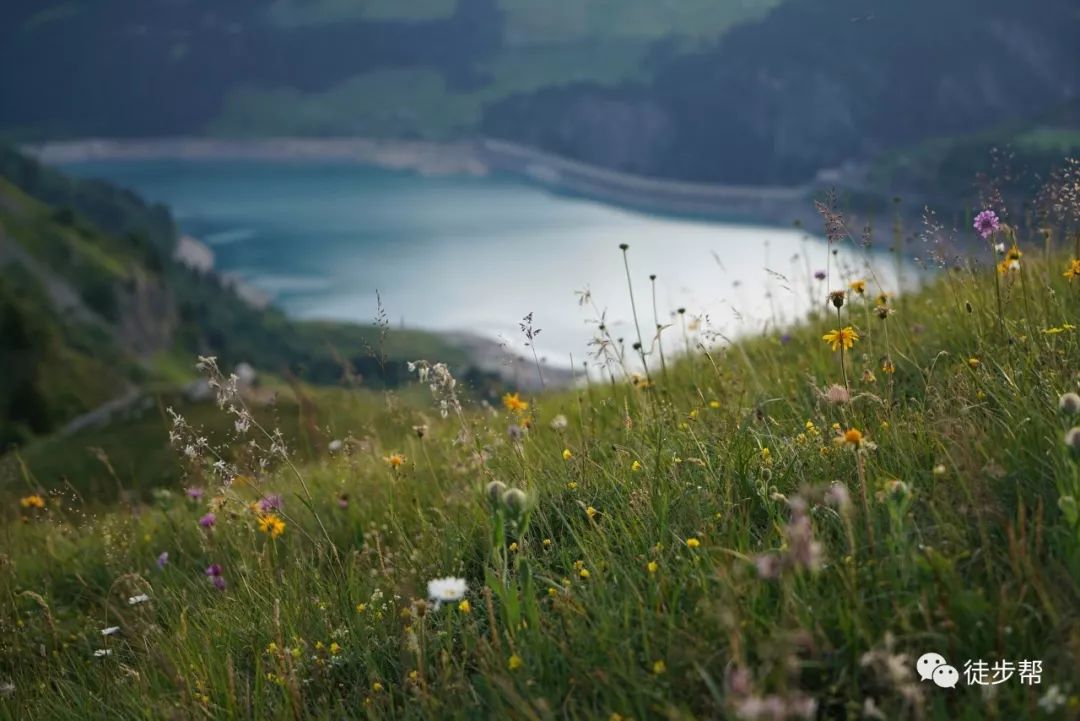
(478,254)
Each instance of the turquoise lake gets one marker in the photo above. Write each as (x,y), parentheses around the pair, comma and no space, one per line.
(478,253)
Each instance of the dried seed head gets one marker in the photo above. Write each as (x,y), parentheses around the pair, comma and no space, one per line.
(495,491)
(515,500)
(1069,404)
(1072,439)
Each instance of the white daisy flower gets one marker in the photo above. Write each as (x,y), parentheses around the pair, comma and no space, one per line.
(445,590)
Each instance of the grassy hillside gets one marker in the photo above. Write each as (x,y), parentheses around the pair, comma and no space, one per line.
(774,528)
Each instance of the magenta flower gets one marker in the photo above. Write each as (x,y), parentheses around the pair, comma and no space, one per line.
(208,520)
(194,493)
(270,503)
(986,223)
(213,572)
(162,559)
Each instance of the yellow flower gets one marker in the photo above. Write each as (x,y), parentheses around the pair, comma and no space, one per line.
(272,525)
(1073,271)
(361,607)
(547,543)
(32,501)
(376,687)
(635,466)
(590,512)
(887,366)
(572,485)
(858,286)
(464,606)
(653,567)
(394,460)
(1011,261)
(514,662)
(714,405)
(334,649)
(853,437)
(974,363)
(659,667)
(566,454)
(845,337)
(692,543)
(514,404)
(584,572)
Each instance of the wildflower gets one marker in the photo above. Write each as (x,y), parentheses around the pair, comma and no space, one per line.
(591,512)
(376,687)
(652,567)
(394,460)
(514,662)
(208,520)
(845,337)
(273,502)
(559,422)
(343,500)
(162,559)
(272,525)
(635,466)
(1052,700)
(464,606)
(868,376)
(715,405)
(837,395)
(514,404)
(838,496)
(837,298)
(893,488)
(853,437)
(102,653)
(887,366)
(584,573)
(32,501)
(940,470)
(1011,261)
(1069,403)
(986,223)
(334,648)
(195,493)
(692,543)
(335,446)
(446,590)
(111,630)
(1072,438)
(766,456)
(138,599)
(858,287)
(883,311)
(659,667)
(1073,271)
(974,363)
(213,572)
(566,454)
(819,275)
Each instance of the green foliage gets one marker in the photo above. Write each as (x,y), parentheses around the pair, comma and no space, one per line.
(691,541)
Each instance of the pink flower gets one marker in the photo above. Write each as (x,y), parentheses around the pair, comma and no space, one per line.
(208,520)
(986,224)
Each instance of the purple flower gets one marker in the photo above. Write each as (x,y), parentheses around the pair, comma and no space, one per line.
(194,493)
(819,274)
(213,572)
(162,559)
(785,338)
(208,520)
(986,223)
(270,503)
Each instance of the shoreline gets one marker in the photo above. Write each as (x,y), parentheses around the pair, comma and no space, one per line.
(478,157)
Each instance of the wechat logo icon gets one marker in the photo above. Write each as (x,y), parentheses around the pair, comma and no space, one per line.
(934,667)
